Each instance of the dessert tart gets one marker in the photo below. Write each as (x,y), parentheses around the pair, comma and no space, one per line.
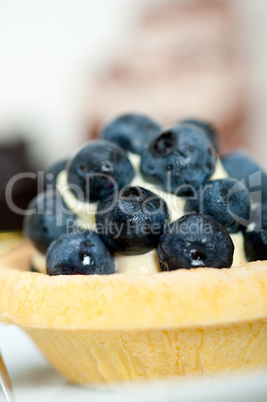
(130,306)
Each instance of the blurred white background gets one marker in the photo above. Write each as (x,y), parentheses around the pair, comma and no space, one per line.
(254,13)
(47,50)
(50,48)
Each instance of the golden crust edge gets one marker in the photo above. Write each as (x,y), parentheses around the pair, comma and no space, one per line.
(179,299)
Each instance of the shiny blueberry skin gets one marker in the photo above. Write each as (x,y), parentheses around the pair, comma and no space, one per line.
(179,158)
(51,173)
(131,131)
(79,254)
(255,236)
(208,129)
(133,222)
(195,241)
(226,200)
(50,218)
(98,169)
(242,166)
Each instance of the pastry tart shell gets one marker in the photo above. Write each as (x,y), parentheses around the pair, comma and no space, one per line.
(114,328)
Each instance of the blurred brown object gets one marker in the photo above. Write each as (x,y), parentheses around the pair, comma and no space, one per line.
(13,164)
(183,61)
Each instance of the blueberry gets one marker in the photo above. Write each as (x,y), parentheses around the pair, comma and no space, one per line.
(226,200)
(133,222)
(79,254)
(255,236)
(179,158)
(48,219)
(242,166)
(131,131)
(52,172)
(207,128)
(98,169)
(195,241)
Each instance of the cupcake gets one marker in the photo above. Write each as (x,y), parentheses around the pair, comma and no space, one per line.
(140,247)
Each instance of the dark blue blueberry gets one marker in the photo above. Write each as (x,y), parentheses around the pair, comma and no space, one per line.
(195,241)
(179,158)
(207,128)
(133,222)
(51,173)
(241,166)
(131,131)
(255,236)
(98,169)
(226,200)
(48,219)
(79,254)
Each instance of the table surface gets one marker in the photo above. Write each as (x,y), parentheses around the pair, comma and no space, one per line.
(33,379)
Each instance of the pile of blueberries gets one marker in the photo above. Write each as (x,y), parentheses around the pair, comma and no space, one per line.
(132,220)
